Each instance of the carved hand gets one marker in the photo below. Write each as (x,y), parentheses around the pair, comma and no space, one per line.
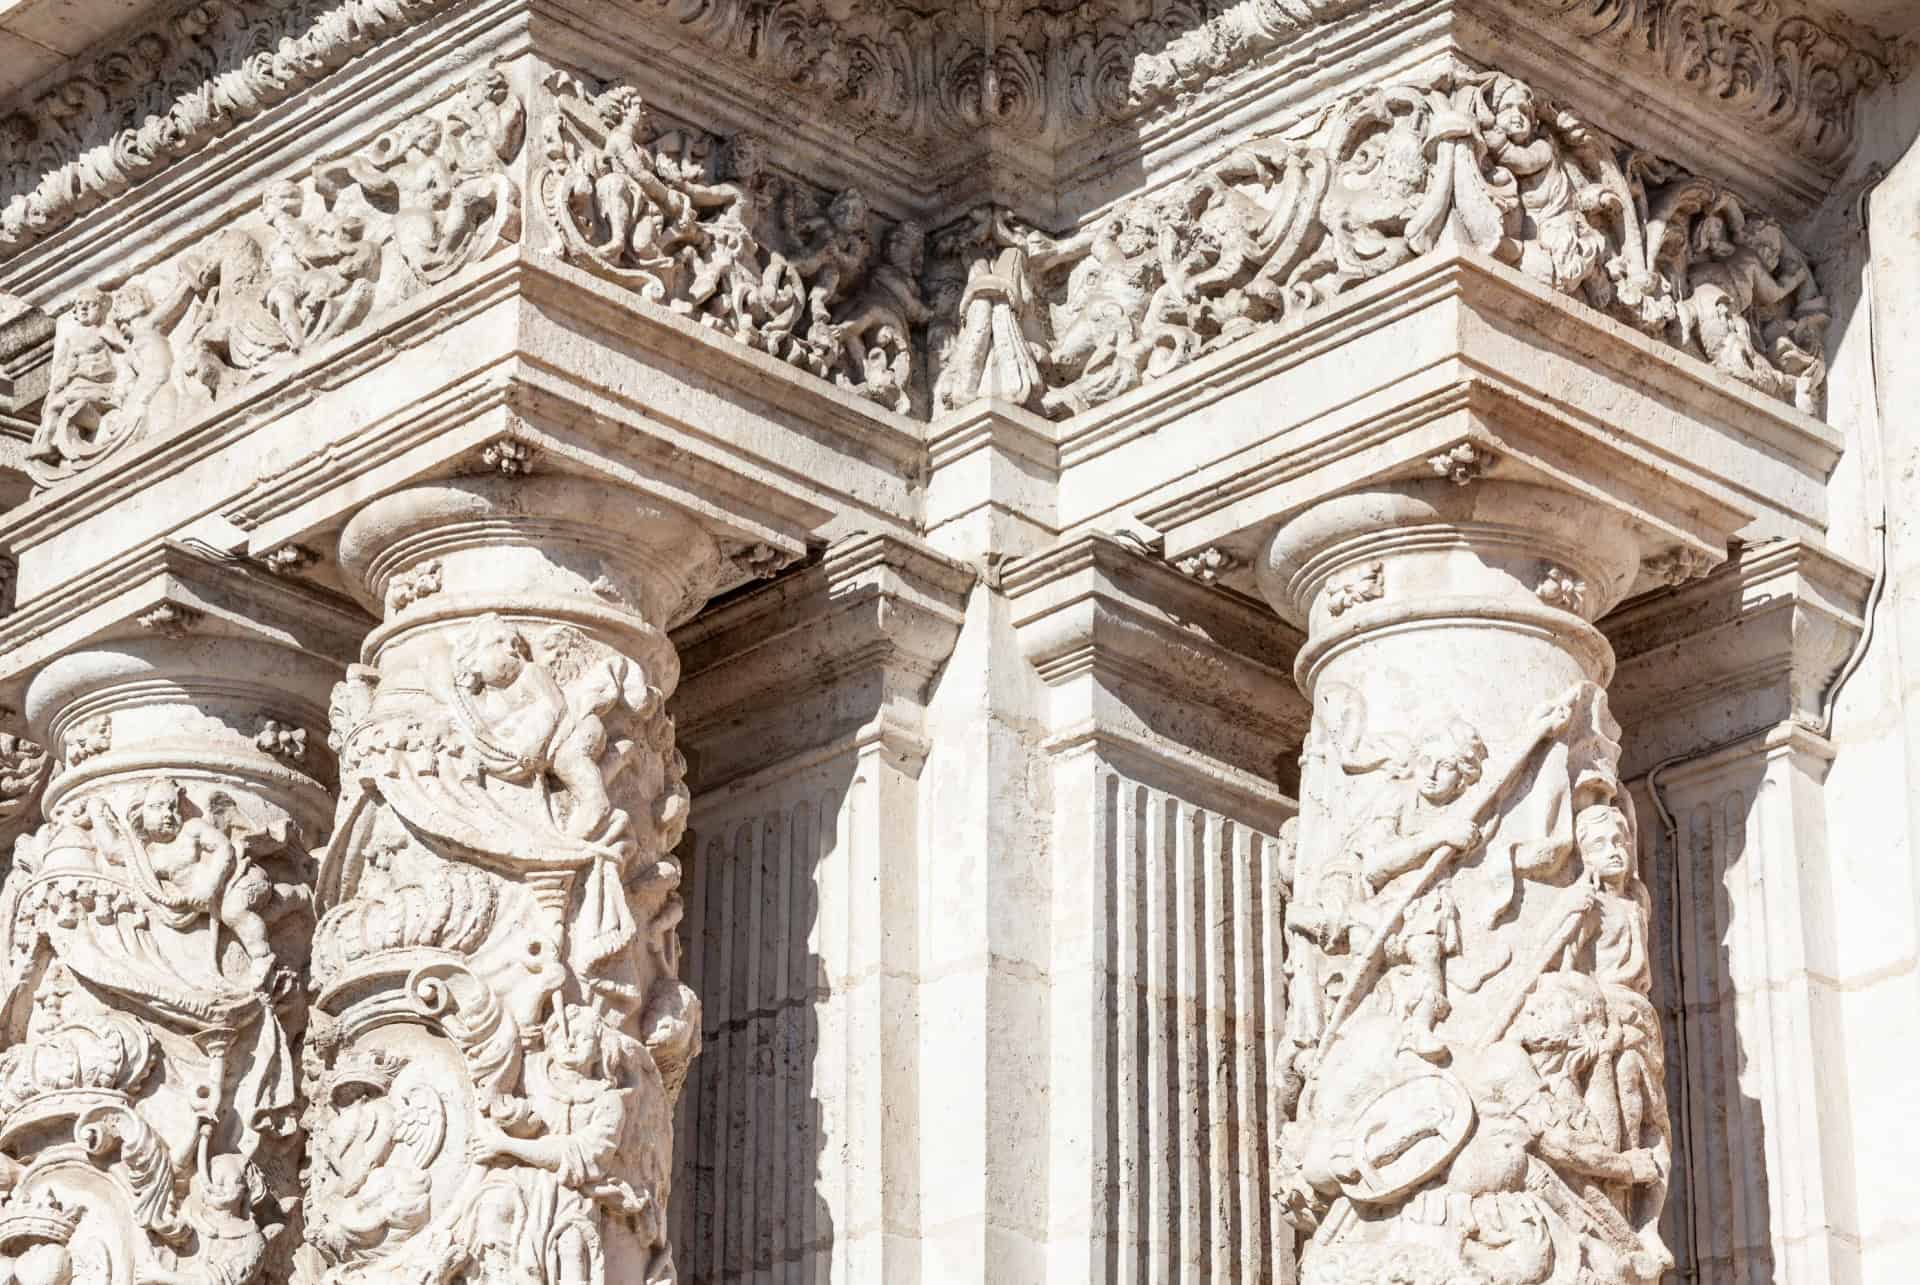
(1458,833)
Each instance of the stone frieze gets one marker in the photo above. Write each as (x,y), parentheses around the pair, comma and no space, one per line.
(1030,69)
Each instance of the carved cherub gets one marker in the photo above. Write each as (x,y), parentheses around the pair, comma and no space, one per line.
(87,381)
(147,324)
(1565,247)
(835,250)
(320,279)
(371,1158)
(197,868)
(440,180)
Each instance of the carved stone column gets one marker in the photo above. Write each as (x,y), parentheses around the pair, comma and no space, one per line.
(1472,1069)
(501,1031)
(153,933)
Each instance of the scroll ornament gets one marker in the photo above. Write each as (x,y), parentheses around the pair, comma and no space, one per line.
(1281,225)
(814,278)
(317,259)
(502,1032)
(1472,1077)
(150,994)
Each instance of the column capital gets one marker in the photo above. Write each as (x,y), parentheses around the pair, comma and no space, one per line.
(1434,554)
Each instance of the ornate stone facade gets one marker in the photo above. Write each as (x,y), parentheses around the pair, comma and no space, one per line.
(1291,617)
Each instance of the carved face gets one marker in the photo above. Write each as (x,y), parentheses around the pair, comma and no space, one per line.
(1514,113)
(1438,773)
(89,306)
(575,1042)
(493,655)
(282,201)
(160,810)
(226,1188)
(131,303)
(1604,842)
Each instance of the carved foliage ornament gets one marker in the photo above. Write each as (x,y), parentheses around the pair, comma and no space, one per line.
(1281,225)
(169,91)
(503,1033)
(1472,1074)
(812,277)
(365,232)
(174,87)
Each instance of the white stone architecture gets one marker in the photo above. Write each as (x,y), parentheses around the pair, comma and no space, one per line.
(959,642)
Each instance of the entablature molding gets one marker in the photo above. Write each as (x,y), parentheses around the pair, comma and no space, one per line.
(1752,646)
(414,235)
(1021,86)
(845,647)
(1137,652)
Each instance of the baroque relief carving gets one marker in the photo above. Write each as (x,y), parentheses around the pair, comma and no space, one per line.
(367,231)
(152,950)
(169,91)
(175,87)
(1281,225)
(1472,1074)
(1537,1144)
(502,1032)
(1786,74)
(712,231)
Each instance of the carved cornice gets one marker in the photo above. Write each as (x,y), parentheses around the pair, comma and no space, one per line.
(1752,646)
(1032,70)
(169,91)
(1787,73)
(846,648)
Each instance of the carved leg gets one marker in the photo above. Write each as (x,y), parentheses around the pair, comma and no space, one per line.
(1461,795)
(147,1090)
(487,965)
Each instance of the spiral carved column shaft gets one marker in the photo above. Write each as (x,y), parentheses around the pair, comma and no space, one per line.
(1472,1073)
(500,1031)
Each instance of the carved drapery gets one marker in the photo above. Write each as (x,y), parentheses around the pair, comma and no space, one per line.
(500,1031)
(1472,1074)
(152,942)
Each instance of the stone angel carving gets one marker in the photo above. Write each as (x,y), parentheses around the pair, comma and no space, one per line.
(441,182)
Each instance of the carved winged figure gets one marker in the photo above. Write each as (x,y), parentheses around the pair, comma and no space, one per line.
(194,867)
